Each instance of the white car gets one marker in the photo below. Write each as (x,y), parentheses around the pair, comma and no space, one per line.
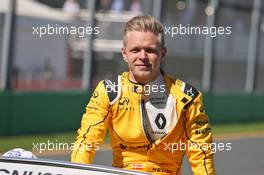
(26,166)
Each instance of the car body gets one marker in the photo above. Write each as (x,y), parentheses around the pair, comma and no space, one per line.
(23,166)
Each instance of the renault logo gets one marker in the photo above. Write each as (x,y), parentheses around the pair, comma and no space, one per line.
(160,121)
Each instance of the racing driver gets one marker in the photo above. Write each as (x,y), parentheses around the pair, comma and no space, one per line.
(152,119)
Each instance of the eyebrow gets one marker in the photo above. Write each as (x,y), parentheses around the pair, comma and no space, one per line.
(144,47)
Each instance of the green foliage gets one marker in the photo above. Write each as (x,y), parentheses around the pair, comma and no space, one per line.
(238,128)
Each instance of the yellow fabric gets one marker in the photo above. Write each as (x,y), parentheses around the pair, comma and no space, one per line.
(131,148)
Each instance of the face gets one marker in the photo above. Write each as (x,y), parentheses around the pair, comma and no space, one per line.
(143,54)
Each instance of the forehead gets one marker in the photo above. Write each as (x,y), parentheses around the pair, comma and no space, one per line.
(141,38)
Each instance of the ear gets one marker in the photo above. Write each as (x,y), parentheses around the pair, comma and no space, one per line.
(163,53)
(123,51)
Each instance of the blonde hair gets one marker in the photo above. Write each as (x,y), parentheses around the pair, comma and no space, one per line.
(144,24)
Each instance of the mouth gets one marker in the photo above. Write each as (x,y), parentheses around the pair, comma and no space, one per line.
(143,66)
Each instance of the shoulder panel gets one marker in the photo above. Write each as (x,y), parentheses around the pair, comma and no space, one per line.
(190,90)
(112,87)
(187,88)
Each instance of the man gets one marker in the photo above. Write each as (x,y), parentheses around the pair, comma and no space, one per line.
(152,119)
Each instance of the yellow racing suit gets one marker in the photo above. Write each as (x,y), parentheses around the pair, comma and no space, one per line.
(116,105)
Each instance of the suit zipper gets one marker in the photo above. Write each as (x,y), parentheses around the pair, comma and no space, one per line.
(144,122)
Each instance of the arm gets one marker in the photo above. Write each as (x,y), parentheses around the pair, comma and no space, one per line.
(198,133)
(93,127)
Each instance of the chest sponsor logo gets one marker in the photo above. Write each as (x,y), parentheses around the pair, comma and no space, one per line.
(160,121)
(95,102)
(163,170)
(124,101)
(203,131)
(201,109)
(124,104)
(201,122)
(147,146)
(95,94)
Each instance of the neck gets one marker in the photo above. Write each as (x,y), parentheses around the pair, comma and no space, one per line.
(144,80)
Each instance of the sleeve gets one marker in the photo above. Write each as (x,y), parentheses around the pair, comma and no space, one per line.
(93,127)
(198,132)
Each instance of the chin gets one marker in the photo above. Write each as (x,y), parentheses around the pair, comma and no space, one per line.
(143,72)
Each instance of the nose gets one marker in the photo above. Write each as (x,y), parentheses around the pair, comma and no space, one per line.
(142,54)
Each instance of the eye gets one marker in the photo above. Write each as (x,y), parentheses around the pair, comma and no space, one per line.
(135,50)
(150,50)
